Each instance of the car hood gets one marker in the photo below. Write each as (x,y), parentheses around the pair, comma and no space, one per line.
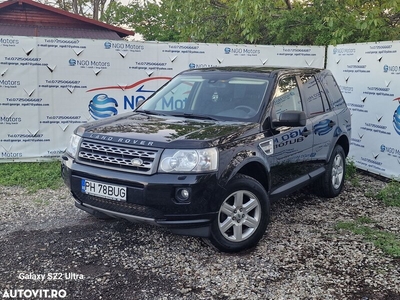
(166,131)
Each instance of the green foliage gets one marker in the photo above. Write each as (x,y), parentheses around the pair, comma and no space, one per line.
(294,22)
(354,21)
(388,242)
(390,194)
(351,172)
(156,22)
(33,176)
(297,22)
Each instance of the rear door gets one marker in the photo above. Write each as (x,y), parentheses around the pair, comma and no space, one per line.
(320,114)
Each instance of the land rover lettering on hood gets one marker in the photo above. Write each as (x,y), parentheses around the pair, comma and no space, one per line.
(205,154)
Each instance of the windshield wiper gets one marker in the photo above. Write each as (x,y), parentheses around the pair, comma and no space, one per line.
(194,116)
(150,112)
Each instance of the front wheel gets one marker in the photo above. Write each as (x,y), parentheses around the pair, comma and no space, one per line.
(331,184)
(243,216)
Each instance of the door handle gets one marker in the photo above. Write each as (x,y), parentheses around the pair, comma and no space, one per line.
(306,132)
(332,123)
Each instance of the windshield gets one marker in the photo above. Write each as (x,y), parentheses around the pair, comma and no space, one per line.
(222,95)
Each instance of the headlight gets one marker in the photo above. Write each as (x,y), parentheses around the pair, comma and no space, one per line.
(178,160)
(73,144)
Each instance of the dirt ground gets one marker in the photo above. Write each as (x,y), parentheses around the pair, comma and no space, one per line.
(50,249)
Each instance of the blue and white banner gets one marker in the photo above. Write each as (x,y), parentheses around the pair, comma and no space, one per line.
(49,86)
(368,75)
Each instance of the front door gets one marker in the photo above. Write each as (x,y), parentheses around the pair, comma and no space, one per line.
(292,146)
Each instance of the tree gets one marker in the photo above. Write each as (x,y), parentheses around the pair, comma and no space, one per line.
(364,21)
(283,22)
(154,21)
(190,20)
(88,8)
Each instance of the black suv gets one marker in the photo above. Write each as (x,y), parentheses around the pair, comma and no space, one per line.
(207,152)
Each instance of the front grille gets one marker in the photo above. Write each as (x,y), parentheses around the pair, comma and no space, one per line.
(120,157)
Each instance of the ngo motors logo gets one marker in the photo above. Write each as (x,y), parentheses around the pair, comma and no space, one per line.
(323,127)
(344,51)
(107,45)
(391,151)
(385,68)
(101,106)
(86,63)
(396,117)
(242,51)
(198,66)
(125,46)
(392,69)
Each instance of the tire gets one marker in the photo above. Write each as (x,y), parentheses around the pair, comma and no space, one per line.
(332,182)
(243,216)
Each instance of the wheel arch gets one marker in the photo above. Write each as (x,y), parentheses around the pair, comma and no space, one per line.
(344,142)
(257,171)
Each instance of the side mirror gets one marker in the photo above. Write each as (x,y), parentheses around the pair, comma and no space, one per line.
(291,118)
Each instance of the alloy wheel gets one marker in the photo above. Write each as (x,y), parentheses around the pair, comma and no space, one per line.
(239,216)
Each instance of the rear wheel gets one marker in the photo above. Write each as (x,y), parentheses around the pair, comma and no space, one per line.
(331,184)
(243,216)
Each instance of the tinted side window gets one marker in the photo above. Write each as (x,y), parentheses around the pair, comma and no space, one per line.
(314,96)
(332,90)
(286,97)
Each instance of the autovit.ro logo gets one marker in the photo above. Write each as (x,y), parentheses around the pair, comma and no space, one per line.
(101,106)
(396,117)
(33,294)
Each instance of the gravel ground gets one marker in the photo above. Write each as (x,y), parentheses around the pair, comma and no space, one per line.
(49,245)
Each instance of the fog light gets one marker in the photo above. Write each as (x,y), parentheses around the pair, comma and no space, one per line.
(182,194)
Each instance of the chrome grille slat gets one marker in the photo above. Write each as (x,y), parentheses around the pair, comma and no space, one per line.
(118,150)
(118,157)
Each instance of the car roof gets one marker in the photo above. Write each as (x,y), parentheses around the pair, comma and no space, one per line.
(271,71)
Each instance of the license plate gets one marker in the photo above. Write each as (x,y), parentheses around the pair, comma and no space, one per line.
(109,191)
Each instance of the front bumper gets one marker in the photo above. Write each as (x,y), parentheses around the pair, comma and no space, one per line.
(150,199)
